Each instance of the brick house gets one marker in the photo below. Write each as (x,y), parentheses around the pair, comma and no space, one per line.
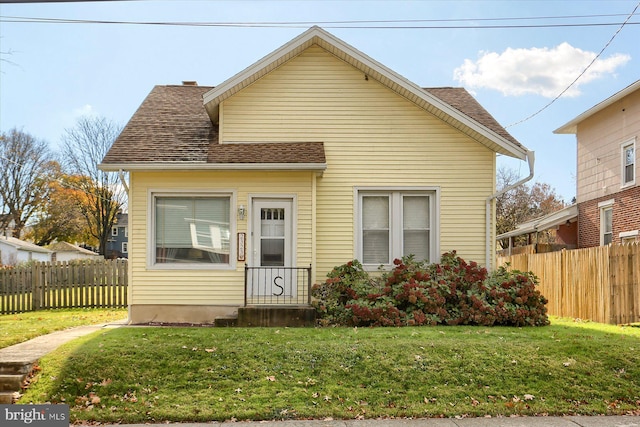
(608,187)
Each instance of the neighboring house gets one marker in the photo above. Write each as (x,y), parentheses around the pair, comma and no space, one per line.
(14,251)
(608,185)
(562,225)
(63,251)
(118,243)
(313,156)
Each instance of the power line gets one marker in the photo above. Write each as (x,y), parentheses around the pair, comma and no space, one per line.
(579,75)
(388,24)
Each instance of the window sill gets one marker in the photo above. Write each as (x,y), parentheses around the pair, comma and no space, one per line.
(190,267)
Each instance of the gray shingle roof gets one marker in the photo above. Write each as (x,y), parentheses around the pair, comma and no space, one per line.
(171,125)
(461,100)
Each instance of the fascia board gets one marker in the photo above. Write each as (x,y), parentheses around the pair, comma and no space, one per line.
(517,151)
(194,166)
(274,56)
(571,127)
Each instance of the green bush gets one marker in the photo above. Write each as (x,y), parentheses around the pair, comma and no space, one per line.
(452,292)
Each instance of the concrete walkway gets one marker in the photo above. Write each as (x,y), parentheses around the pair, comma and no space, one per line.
(32,350)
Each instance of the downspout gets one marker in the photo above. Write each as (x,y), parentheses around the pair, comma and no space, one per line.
(126,188)
(531,157)
(123,181)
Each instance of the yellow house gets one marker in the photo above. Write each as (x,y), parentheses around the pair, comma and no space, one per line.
(245,193)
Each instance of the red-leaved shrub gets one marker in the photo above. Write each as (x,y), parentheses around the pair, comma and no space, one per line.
(452,292)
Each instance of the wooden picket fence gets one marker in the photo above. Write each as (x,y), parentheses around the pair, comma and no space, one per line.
(601,284)
(74,284)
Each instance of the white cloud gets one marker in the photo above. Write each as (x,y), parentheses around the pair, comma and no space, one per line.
(85,110)
(541,71)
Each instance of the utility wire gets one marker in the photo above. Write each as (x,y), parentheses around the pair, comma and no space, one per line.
(391,24)
(579,75)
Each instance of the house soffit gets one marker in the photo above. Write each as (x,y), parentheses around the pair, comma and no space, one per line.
(373,69)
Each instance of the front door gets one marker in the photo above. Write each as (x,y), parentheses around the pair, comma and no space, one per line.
(272,247)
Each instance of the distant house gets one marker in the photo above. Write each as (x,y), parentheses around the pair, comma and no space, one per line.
(118,243)
(562,225)
(608,186)
(63,251)
(14,251)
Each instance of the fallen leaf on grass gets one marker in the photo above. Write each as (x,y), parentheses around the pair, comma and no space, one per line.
(529,397)
(271,378)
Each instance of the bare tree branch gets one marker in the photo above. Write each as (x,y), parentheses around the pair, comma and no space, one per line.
(84,147)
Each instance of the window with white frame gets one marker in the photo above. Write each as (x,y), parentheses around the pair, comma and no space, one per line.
(606,225)
(126,231)
(394,224)
(192,229)
(114,231)
(125,247)
(628,163)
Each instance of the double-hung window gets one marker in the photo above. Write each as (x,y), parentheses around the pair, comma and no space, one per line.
(628,163)
(606,221)
(191,229)
(395,223)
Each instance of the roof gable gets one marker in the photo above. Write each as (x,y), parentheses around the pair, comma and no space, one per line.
(571,127)
(482,127)
(21,245)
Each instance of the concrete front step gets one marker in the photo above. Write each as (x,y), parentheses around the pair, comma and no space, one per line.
(14,368)
(226,321)
(6,397)
(276,316)
(11,383)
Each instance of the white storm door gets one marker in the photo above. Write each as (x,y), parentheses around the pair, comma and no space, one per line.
(272,246)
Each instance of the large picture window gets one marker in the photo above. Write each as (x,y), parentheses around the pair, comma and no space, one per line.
(193,230)
(394,224)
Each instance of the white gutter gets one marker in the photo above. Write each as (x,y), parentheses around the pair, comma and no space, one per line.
(192,166)
(531,157)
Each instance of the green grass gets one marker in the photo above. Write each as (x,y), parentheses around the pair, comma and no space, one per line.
(134,375)
(16,328)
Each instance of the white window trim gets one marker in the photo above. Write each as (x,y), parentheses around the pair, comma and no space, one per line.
(434,254)
(288,197)
(626,234)
(630,142)
(603,208)
(114,231)
(125,247)
(151,226)
(606,203)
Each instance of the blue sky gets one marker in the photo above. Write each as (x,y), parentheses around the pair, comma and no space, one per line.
(51,74)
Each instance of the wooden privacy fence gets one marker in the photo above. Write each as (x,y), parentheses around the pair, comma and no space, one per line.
(600,284)
(75,284)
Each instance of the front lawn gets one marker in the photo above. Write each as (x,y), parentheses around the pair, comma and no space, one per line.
(16,328)
(154,374)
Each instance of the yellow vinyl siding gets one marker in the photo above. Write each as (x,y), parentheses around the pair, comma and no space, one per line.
(208,286)
(373,137)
